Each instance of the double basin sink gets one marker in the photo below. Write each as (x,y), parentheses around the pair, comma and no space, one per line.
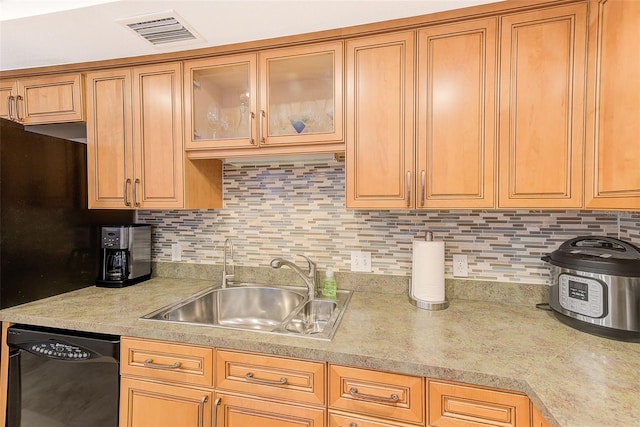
(282,310)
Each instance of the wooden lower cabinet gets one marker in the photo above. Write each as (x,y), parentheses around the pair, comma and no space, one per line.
(154,404)
(271,377)
(165,384)
(337,419)
(263,390)
(246,411)
(536,418)
(168,384)
(464,405)
(391,398)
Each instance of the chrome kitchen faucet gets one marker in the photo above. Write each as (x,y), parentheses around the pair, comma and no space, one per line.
(226,278)
(309,279)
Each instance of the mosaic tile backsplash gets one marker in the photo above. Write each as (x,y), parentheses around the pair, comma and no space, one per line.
(298,208)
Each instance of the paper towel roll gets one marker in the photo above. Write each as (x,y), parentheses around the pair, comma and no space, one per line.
(428,271)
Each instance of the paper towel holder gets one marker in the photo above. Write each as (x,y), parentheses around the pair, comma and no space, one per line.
(427,305)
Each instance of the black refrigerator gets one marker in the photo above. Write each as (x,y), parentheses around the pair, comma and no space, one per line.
(49,239)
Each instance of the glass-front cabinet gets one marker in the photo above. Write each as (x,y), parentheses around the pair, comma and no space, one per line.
(280,97)
(220,102)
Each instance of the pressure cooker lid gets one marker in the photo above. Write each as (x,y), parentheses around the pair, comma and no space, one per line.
(597,254)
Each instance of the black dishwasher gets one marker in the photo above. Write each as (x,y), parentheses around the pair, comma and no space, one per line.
(60,378)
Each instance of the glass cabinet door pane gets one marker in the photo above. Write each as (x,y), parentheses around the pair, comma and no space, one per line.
(221,108)
(301,94)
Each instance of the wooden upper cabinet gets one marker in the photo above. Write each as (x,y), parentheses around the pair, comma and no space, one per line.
(158,177)
(109,139)
(456,115)
(134,143)
(380,120)
(220,103)
(8,88)
(613,109)
(542,101)
(301,98)
(42,100)
(281,101)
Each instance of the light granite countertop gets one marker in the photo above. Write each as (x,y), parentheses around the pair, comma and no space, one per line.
(575,379)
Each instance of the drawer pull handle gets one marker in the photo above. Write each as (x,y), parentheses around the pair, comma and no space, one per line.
(353,391)
(150,364)
(250,377)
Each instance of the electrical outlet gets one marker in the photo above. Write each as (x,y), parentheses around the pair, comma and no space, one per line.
(176,252)
(460,266)
(361,262)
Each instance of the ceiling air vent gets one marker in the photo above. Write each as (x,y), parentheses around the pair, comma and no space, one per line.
(161,28)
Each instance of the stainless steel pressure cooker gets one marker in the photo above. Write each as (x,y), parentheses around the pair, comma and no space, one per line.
(596,286)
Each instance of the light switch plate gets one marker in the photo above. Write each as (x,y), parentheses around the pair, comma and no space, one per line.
(361,262)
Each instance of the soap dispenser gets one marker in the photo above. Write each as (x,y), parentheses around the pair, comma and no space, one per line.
(329,285)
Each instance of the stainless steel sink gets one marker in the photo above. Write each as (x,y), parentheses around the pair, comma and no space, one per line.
(275,309)
(312,318)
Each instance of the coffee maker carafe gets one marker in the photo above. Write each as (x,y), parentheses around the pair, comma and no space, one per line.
(126,255)
(116,267)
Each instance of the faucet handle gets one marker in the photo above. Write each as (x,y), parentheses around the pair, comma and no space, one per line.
(312,265)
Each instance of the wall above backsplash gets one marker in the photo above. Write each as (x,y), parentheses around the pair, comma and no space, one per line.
(286,209)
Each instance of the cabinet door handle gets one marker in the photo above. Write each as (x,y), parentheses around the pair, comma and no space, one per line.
(252,118)
(18,98)
(251,378)
(408,189)
(263,140)
(126,192)
(423,181)
(201,410)
(10,100)
(149,363)
(135,192)
(353,391)
(216,403)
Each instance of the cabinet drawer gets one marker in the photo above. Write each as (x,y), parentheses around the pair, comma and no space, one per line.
(392,396)
(453,405)
(167,361)
(349,420)
(273,377)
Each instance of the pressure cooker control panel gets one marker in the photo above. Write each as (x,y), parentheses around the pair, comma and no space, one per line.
(582,295)
(61,351)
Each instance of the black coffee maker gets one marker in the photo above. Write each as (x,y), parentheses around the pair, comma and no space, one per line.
(126,255)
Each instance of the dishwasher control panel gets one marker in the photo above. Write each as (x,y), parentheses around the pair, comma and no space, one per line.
(59,350)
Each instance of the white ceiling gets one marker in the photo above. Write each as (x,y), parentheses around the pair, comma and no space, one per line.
(35,33)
